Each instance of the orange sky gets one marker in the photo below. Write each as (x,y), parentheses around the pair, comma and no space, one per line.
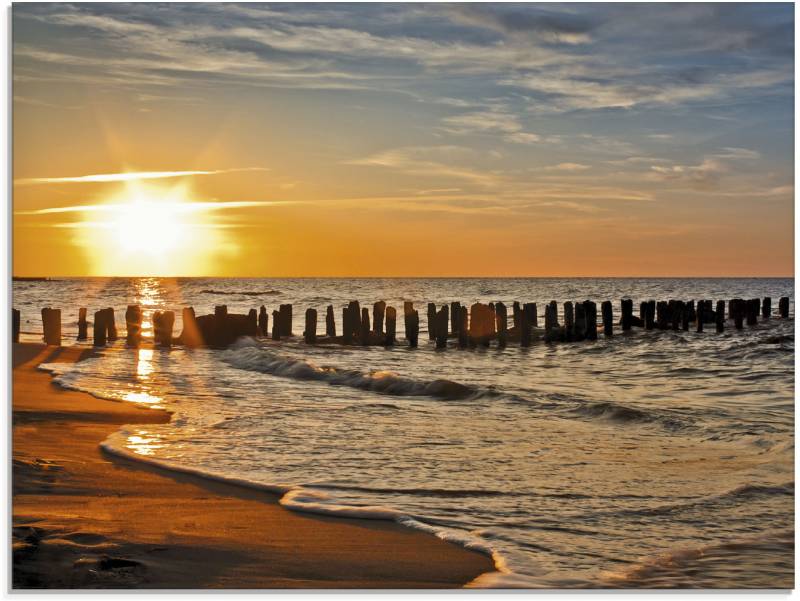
(337,155)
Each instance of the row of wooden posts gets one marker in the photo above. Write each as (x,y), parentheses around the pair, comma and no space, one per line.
(476,326)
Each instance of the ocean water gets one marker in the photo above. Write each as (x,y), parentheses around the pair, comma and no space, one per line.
(654,459)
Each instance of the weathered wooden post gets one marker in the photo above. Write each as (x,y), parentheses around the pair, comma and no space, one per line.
(685,316)
(83,325)
(15,325)
(736,311)
(133,325)
(263,321)
(569,321)
(590,309)
(111,324)
(501,314)
(607,310)
(690,311)
(347,328)
(412,325)
(783,307)
(168,322)
(675,313)
(720,316)
(330,323)
(441,318)
(661,314)
(551,327)
(354,320)
(643,311)
(276,325)
(51,324)
(378,312)
(627,313)
(699,320)
(99,328)
(751,309)
(391,326)
(580,322)
(766,307)
(516,312)
(363,335)
(190,336)
(455,316)
(463,327)
(285,312)
(252,322)
(431,321)
(533,317)
(310,333)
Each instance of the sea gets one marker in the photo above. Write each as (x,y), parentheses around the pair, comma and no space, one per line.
(648,459)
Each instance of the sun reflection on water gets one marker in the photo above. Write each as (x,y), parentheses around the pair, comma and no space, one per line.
(144,443)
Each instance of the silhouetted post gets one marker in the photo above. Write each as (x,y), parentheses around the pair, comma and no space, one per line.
(685,317)
(627,313)
(691,313)
(455,316)
(412,327)
(643,311)
(650,315)
(501,314)
(607,309)
(551,327)
(569,321)
(378,312)
(720,316)
(99,328)
(580,322)
(190,336)
(463,327)
(533,316)
(354,320)
(661,315)
(83,325)
(310,332)
(431,321)
(441,318)
(391,326)
(766,307)
(783,307)
(51,324)
(364,333)
(276,325)
(676,313)
(15,325)
(167,324)
(590,309)
(752,312)
(252,322)
(133,325)
(736,309)
(111,324)
(263,321)
(285,312)
(516,312)
(330,323)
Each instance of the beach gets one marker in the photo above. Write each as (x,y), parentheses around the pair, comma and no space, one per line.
(85,519)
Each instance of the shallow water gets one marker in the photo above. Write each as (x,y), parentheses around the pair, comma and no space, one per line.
(656,459)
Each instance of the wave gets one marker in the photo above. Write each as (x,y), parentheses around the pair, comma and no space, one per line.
(248,357)
(614,412)
(242,292)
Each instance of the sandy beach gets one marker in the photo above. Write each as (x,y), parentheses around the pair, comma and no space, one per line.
(85,519)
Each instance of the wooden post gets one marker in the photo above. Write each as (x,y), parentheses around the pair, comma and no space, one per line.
(627,313)
(363,335)
(310,332)
(330,323)
(736,309)
(111,324)
(285,312)
(783,307)
(442,318)
(167,323)
(533,317)
(391,326)
(263,321)
(569,321)
(551,328)
(606,308)
(590,310)
(51,324)
(766,307)
(191,335)
(720,316)
(252,322)
(463,327)
(455,316)
(580,322)
(643,311)
(83,325)
(650,315)
(412,327)
(685,315)
(431,321)
(517,314)
(699,316)
(501,314)
(99,328)
(15,325)
(378,312)
(276,325)
(751,312)
(133,325)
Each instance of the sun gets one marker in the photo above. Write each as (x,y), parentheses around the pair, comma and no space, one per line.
(152,230)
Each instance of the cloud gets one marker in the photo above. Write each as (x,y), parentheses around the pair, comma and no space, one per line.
(568,167)
(737,154)
(125,176)
(703,176)
(180,207)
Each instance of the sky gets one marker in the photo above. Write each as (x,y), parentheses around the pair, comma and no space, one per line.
(426,140)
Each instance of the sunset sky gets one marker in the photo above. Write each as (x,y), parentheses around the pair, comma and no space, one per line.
(403,140)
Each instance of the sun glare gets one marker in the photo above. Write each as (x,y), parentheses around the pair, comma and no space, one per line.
(151,230)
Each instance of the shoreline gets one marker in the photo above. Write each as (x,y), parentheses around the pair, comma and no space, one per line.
(119,523)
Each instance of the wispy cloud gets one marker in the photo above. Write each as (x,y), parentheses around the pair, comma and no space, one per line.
(126,176)
(568,167)
(179,207)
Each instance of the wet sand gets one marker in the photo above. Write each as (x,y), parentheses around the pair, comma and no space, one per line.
(86,519)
